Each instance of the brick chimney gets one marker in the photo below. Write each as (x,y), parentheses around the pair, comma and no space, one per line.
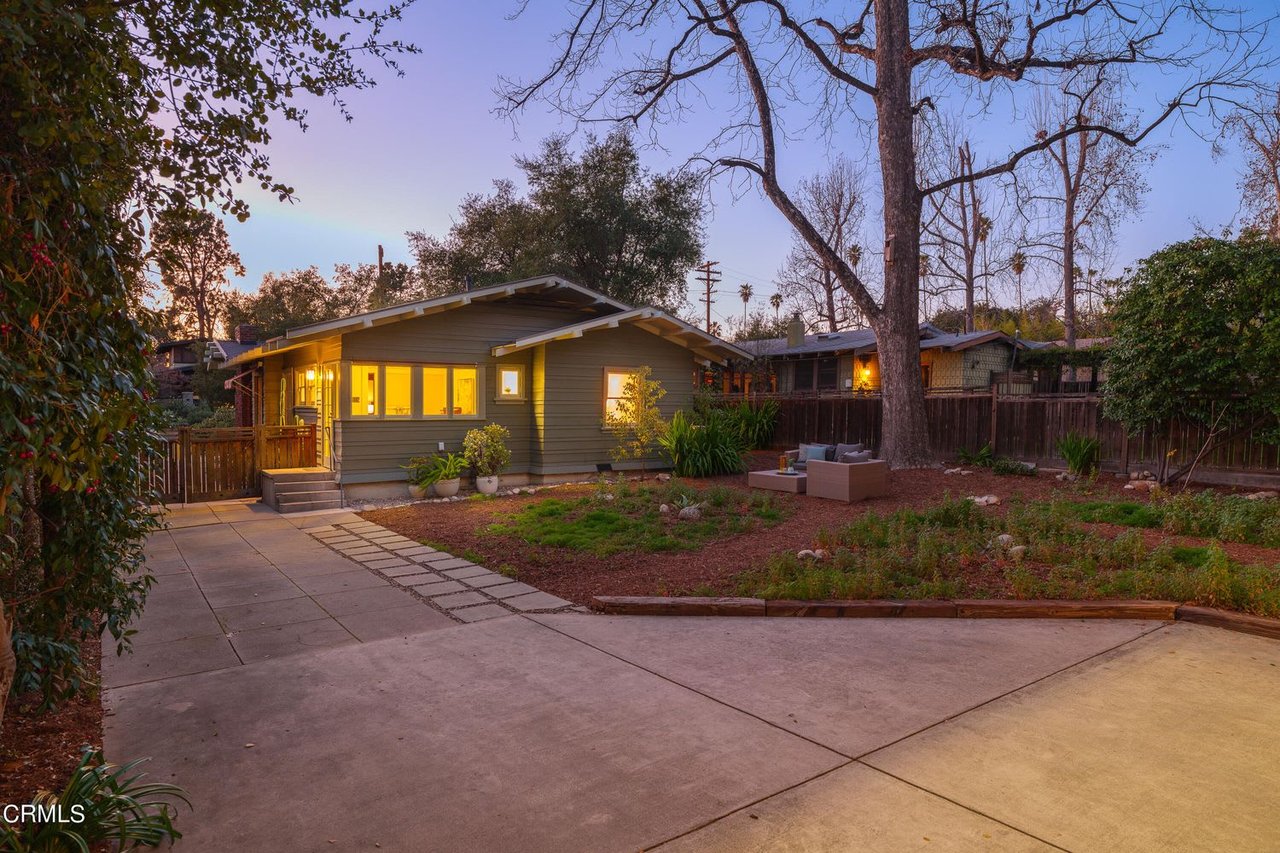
(795,331)
(246,333)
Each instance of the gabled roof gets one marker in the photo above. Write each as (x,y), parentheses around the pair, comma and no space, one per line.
(706,346)
(294,338)
(864,341)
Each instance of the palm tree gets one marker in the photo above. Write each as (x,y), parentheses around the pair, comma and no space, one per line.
(746,291)
(776,302)
(1018,263)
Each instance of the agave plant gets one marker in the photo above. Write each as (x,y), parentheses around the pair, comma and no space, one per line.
(112,804)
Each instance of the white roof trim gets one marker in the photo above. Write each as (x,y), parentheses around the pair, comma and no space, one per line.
(296,336)
(704,345)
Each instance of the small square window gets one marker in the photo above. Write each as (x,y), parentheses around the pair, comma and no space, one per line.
(510,382)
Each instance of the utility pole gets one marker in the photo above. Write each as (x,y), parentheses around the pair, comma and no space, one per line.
(710,277)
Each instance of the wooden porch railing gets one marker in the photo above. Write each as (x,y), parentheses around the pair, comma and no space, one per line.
(219,464)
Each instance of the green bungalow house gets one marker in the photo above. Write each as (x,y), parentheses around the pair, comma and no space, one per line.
(544,357)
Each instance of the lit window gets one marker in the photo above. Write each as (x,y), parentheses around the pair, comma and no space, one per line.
(399,391)
(435,392)
(364,390)
(464,391)
(511,382)
(299,388)
(615,386)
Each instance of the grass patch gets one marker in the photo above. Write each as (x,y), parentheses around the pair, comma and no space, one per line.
(621,518)
(950,550)
(1230,518)
(1124,513)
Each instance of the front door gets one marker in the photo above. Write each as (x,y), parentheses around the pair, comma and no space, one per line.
(328,402)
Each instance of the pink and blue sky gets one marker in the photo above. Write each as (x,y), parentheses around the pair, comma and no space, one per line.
(419,143)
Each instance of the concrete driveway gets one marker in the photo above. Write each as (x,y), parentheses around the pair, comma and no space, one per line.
(569,731)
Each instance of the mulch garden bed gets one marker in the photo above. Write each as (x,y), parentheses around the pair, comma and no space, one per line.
(579,576)
(39,751)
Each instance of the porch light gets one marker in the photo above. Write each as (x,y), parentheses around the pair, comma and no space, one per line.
(311,374)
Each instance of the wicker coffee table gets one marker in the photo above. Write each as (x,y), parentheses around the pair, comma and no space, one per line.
(778,482)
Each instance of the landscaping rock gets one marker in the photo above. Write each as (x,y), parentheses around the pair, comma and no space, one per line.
(663,478)
(965,473)
(984,500)
(1142,485)
(664,509)
(1018,551)
(690,513)
(1265,495)
(807,554)
(821,554)
(1004,540)
(954,471)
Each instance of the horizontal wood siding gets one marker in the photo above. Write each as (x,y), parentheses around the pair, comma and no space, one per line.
(574,397)
(374,450)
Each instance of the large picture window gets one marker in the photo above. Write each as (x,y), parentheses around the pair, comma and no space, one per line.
(465,392)
(399,390)
(364,391)
(435,392)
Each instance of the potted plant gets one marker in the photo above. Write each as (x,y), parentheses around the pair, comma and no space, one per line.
(421,475)
(486,451)
(448,474)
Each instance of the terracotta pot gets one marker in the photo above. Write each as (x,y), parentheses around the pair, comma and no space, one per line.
(417,492)
(487,485)
(447,488)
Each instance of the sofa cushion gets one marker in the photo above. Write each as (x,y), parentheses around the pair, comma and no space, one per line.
(815,451)
(842,449)
(857,456)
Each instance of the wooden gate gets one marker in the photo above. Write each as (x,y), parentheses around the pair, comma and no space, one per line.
(219,464)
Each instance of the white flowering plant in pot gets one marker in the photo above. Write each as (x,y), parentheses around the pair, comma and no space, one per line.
(486,451)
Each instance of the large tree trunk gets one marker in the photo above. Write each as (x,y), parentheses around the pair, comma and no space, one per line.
(905,433)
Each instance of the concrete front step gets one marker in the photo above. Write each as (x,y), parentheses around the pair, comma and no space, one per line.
(307,506)
(291,497)
(304,486)
(298,475)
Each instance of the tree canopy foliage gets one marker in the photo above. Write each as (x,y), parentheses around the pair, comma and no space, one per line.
(1197,335)
(191,249)
(597,217)
(111,113)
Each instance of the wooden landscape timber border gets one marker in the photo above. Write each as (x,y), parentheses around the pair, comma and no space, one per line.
(1027,427)
(1166,611)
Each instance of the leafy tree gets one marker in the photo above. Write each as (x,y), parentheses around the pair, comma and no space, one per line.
(285,301)
(779,65)
(759,326)
(596,217)
(361,289)
(1197,336)
(109,113)
(193,253)
(637,422)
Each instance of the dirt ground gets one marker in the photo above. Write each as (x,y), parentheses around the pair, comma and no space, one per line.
(39,751)
(578,577)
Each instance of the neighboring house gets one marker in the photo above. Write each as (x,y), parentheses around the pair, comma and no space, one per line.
(218,353)
(544,357)
(847,363)
(177,355)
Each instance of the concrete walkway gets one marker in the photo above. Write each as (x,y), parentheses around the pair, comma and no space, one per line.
(569,731)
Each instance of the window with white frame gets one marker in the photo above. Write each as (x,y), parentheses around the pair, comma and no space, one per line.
(615,388)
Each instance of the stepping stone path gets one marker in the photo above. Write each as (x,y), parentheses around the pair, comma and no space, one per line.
(456,587)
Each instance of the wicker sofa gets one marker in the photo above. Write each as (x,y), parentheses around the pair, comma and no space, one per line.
(838,480)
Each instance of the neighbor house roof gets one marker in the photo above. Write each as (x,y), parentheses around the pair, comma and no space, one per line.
(297,337)
(864,341)
(706,346)
(225,350)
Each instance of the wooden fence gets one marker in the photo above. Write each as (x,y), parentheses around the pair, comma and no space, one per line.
(1028,427)
(219,464)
